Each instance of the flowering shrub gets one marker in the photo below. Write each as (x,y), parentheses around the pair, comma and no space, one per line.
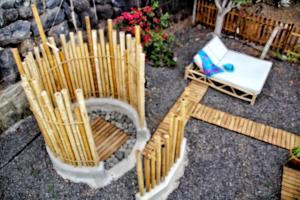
(157,44)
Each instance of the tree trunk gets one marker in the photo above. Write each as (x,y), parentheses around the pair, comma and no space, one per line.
(219,24)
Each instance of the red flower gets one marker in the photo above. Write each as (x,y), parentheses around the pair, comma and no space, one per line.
(147,9)
(147,38)
(127,16)
(137,14)
(156,20)
(165,36)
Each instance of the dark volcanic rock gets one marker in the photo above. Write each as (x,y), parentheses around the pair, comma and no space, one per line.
(61,28)
(81,5)
(25,12)
(50,16)
(8,68)
(105,11)
(52,3)
(26,46)
(15,32)
(7,4)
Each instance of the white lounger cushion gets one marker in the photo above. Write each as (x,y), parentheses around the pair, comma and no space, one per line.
(217,48)
(249,73)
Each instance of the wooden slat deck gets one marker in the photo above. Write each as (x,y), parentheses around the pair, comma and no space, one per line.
(290,185)
(192,97)
(247,127)
(108,138)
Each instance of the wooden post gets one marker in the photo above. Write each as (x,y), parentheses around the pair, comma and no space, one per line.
(139,171)
(147,172)
(158,158)
(122,57)
(171,135)
(18,60)
(167,149)
(153,179)
(140,85)
(104,60)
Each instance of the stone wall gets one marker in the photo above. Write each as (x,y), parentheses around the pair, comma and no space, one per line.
(18,29)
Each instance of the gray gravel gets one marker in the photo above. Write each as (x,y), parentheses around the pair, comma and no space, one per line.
(222,164)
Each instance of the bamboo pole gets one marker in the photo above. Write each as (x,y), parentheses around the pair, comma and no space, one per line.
(178,137)
(163,160)
(153,174)
(90,47)
(86,123)
(75,129)
(110,71)
(59,64)
(83,67)
(102,75)
(90,69)
(64,116)
(129,68)
(75,59)
(18,60)
(140,85)
(69,62)
(104,60)
(174,137)
(167,150)
(171,139)
(147,172)
(96,61)
(158,158)
(79,121)
(122,58)
(139,171)
(111,53)
(48,133)
(56,119)
(115,66)
(67,74)
(137,35)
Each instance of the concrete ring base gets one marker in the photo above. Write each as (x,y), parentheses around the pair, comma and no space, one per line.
(98,176)
(171,182)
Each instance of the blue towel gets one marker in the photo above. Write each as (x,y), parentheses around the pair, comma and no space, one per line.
(209,68)
(228,67)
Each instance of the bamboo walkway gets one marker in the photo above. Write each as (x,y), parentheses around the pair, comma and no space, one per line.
(247,127)
(290,186)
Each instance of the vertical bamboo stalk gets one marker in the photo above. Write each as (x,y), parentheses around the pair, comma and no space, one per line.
(140,85)
(75,130)
(175,133)
(153,174)
(60,129)
(139,171)
(83,67)
(115,63)
(64,116)
(90,70)
(76,61)
(110,71)
(111,53)
(179,136)
(69,62)
(104,60)
(58,61)
(147,172)
(102,71)
(91,50)
(137,35)
(80,125)
(171,134)
(167,149)
(86,123)
(158,158)
(122,57)
(163,160)
(18,60)
(67,74)
(129,68)
(47,133)
(96,61)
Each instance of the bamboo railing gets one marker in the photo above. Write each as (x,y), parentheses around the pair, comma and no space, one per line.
(251,28)
(161,152)
(58,80)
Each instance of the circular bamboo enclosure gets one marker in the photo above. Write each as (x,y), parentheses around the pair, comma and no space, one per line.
(57,80)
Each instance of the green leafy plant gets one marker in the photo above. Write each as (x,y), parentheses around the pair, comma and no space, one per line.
(152,21)
(296,152)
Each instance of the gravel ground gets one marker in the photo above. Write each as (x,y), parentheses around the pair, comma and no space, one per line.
(222,164)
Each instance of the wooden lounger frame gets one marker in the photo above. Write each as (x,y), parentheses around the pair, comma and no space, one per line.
(195,73)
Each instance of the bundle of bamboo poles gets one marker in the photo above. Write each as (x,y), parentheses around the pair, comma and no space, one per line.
(161,152)
(55,78)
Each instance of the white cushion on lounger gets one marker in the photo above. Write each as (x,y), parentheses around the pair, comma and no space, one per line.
(211,55)
(217,48)
(249,73)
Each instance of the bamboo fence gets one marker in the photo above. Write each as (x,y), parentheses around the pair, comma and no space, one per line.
(161,152)
(251,28)
(58,80)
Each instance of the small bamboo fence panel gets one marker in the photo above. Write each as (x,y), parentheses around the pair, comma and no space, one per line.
(57,81)
(251,28)
(161,152)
